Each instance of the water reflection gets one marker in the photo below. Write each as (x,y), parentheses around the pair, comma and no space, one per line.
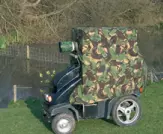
(14,71)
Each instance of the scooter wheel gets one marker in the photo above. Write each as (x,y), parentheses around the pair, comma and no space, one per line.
(63,124)
(126,111)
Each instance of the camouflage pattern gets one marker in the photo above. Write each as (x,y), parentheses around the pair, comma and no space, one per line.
(111,63)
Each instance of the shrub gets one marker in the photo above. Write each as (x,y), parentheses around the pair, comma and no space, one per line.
(49,21)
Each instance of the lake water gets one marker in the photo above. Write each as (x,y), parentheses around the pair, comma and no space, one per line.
(15,71)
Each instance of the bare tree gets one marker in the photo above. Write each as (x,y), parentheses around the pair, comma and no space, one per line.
(25,5)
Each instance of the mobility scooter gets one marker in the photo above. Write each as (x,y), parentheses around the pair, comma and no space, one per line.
(105,78)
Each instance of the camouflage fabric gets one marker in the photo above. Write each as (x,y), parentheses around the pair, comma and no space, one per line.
(111,63)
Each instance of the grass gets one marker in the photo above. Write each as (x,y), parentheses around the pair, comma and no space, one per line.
(25,118)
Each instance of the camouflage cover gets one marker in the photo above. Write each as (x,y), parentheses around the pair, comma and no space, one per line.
(111,63)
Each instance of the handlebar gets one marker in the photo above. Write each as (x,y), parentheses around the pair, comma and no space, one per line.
(76,57)
(73,55)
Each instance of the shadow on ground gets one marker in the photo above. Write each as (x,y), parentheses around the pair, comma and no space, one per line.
(110,121)
(36,109)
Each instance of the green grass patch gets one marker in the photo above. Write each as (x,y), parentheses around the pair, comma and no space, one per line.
(25,117)
(8,39)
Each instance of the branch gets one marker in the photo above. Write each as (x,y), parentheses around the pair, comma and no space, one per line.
(52,13)
(25,5)
(28,4)
(125,12)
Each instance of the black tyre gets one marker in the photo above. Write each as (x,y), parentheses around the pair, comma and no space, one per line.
(63,124)
(123,110)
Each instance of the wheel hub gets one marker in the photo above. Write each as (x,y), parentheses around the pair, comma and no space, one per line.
(127,111)
(63,125)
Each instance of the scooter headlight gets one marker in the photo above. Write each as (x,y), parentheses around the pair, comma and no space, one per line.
(48,98)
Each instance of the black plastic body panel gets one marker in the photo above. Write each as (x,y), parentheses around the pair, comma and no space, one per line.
(63,95)
(51,111)
(99,110)
(91,111)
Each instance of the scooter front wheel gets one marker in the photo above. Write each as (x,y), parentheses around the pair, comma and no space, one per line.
(63,123)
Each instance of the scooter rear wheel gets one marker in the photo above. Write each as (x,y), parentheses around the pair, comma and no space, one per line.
(126,111)
(63,123)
